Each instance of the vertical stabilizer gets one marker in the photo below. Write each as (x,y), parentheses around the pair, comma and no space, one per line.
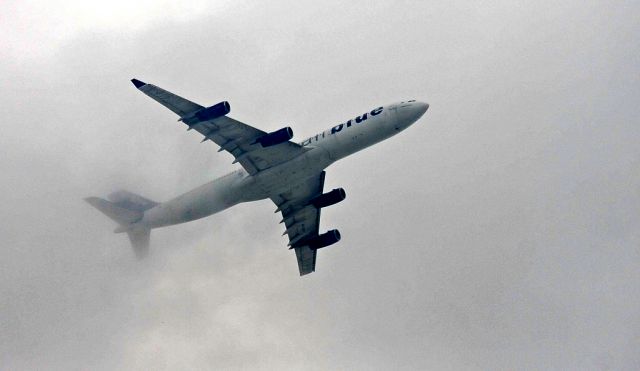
(139,238)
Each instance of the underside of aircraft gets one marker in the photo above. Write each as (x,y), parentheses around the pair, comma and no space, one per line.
(272,166)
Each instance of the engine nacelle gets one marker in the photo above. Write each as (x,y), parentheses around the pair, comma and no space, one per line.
(330,198)
(276,137)
(214,111)
(324,240)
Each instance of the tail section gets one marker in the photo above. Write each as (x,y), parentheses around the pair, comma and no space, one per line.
(126,208)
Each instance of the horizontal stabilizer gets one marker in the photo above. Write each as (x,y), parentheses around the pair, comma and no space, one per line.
(119,214)
(131,201)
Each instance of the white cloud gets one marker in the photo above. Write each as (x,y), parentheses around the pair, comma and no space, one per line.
(33,29)
(499,232)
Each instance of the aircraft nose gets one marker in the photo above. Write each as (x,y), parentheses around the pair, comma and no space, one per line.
(412,113)
(421,108)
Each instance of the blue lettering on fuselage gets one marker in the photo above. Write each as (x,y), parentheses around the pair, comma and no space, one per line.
(358,120)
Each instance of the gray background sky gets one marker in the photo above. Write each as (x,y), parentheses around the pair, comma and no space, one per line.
(502,231)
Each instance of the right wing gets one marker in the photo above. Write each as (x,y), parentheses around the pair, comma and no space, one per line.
(301,219)
(231,135)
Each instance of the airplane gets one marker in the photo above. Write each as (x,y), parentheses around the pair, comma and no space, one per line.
(272,166)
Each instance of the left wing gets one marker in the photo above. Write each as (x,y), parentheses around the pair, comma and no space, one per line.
(302,219)
(231,135)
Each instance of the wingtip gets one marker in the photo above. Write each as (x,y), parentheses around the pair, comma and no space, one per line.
(138,84)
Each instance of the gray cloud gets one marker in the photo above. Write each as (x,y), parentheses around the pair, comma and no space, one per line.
(499,232)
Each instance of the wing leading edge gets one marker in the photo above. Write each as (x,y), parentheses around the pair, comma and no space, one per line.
(231,135)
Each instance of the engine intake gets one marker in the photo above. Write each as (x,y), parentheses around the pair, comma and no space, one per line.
(324,240)
(276,137)
(214,111)
(329,198)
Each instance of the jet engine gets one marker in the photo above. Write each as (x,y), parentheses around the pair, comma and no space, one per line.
(214,111)
(329,198)
(276,137)
(324,240)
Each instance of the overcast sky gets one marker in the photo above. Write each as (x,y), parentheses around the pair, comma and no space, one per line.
(501,231)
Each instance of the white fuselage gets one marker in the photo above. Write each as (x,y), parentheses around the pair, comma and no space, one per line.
(325,148)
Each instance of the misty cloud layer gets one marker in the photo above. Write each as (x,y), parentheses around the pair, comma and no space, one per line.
(501,231)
